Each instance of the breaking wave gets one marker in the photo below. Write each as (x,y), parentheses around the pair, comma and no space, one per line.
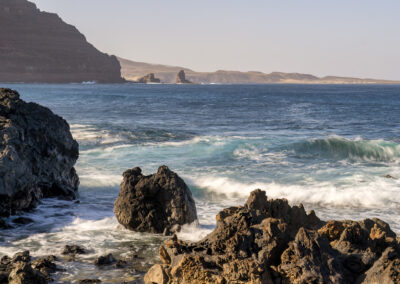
(341,148)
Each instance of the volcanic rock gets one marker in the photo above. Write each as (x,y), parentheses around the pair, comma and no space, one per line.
(149,78)
(181,78)
(37,155)
(269,241)
(105,260)
(158,203)
(36,46)
(73,250)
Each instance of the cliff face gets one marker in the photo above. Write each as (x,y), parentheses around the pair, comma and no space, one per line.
(37,46)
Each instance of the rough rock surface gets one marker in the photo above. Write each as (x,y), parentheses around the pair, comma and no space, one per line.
(37,46)
(181,78)
(149,78)
(37,155)
(158,203)
(268,241)
(21,270)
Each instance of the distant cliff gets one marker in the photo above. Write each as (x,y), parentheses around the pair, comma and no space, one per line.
(132,70)
(37,46)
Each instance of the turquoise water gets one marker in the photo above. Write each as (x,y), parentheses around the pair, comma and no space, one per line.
(328,147)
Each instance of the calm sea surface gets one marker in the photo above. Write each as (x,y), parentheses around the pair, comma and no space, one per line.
(328,147)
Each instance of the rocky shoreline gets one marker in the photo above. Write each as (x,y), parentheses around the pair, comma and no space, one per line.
(269,241)
(263,241)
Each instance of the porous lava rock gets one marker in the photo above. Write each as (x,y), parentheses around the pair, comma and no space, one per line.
(37,155)
(269,241)
(157,203)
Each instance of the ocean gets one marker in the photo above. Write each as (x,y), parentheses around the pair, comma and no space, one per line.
(334,148)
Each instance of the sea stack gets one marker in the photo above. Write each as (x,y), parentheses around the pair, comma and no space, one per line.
(39,47)
(181,78)
(37,155)
(269,241)
(158,203)
(149,78)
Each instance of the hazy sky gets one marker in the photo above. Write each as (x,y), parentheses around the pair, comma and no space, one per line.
(341,37)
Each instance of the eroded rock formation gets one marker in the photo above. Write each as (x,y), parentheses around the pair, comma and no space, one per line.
(268,241)
(37,46)
(158,203)
(37,155)
(149,78)
(181,78)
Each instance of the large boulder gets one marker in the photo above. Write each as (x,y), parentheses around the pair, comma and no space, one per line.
(37,155)
(158,203)
(269,241)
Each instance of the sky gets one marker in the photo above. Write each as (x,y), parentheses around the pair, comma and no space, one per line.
(356,38)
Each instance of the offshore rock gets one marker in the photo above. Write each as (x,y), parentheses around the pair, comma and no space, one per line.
(40,47)
(181,78)
(37,155)
(269,241)
(149,78)
(158,203)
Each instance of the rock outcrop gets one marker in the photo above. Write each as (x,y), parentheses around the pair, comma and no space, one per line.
(158,203)
(181,78)
(268,241)
(37,46)
(149,78)
(21,269)
(37,155)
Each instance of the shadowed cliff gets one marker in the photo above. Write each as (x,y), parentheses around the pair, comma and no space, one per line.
(39,47)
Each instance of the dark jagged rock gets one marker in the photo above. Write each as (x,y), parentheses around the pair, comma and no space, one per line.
(158,203)
(105,260)
(149,78)
(39,47)
(37,155)
(269,241)
(22,220)
(21,270)
(181,78)
(73,250)
(88,281)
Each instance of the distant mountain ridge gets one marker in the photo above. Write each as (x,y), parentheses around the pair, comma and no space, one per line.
(132,70)
(39,47)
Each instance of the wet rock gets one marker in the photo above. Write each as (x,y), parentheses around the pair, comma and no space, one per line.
(158,203)
(88,281)
(45,265)
(23,256)
(73,250)
(22,273)
(149,78)
(22,221)
(37,155)
(105,260)
(269,241)
(181,78)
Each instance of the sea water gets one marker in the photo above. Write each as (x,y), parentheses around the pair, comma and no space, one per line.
(334,148)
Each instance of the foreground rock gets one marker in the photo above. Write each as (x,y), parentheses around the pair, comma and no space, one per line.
(21,270)
(181,78)
(268,241)
(158,203)
(37,155)
(149,78)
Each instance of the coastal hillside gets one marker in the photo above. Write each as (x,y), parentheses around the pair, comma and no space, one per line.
(39,47)
(132,70)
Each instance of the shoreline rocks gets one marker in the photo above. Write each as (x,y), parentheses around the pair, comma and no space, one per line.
(37,155)
(269,241)
(158,203)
